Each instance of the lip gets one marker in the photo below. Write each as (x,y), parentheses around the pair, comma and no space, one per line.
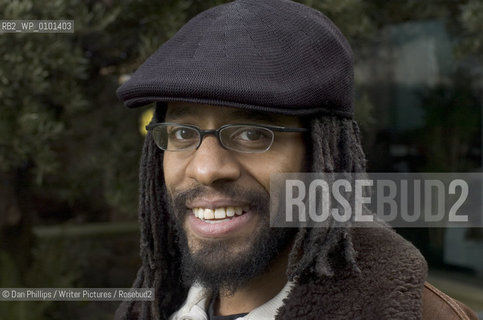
(221,229)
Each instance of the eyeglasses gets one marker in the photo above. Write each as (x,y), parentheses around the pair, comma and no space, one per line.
(245,138)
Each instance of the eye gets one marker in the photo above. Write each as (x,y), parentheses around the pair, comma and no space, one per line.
(245,138)
(249,135)
(182,134)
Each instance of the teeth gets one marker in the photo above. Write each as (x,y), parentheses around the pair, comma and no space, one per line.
(220,214)
(208,214)
(230,211)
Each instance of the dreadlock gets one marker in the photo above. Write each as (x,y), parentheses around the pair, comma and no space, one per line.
(335,146)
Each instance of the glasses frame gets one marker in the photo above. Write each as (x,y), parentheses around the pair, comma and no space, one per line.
(216,132)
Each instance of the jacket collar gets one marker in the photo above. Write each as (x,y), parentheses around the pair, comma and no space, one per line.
(389,285)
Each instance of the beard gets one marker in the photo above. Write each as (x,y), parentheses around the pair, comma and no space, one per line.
(224,265)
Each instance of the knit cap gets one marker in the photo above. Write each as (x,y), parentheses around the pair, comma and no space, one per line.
(272,55)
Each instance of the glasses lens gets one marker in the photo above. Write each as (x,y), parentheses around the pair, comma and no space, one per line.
(248,139)
(175,137)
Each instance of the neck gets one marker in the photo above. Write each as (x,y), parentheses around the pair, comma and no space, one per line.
(257,291)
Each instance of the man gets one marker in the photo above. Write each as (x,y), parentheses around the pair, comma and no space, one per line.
(244,90)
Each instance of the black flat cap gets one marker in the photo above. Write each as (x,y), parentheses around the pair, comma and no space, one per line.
(271,55)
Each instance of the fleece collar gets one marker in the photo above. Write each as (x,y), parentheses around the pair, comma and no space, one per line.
(389,285)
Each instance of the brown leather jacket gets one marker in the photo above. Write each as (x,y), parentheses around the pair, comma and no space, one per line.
(437,305)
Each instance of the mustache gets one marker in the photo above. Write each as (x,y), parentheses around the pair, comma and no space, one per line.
(258,198)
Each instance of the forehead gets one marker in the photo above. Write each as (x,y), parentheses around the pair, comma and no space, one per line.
(181,111)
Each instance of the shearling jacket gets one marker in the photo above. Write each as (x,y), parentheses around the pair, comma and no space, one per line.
(390,286)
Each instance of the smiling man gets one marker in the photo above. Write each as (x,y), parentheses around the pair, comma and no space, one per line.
(245,90)
(219,190)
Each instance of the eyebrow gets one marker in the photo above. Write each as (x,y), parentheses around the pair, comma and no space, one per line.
(271,118)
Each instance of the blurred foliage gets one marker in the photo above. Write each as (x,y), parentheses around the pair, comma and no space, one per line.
(52,87)
(471,19)
(40,82)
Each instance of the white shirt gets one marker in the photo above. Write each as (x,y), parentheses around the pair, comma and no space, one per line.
(194,307)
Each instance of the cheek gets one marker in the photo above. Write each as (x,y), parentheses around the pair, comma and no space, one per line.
(290,158)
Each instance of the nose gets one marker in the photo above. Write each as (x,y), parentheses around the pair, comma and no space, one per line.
(212,163)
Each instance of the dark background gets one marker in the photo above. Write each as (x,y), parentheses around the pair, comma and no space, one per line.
(69,151)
